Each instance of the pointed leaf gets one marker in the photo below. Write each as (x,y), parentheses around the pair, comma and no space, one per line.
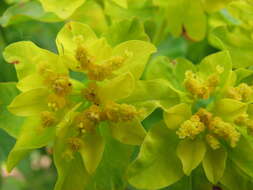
(32,136)
(191,154)
(139,53)
(30,102)
(132,132)
(157,156)
(176,115)
(92,151)
(214,164)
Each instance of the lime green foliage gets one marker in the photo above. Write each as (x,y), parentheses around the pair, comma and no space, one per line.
(136,94)
(25,11)
(67,113)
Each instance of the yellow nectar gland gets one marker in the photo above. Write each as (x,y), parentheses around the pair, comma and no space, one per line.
(84,58)
(212,141)
(48,119)
(75,144)
(61,85)
(224,130)
(55,102)
(195,86)
(191,128)
(105,70)
(88,120)
(115,112)
(199,88)
(90,93)
(242,92)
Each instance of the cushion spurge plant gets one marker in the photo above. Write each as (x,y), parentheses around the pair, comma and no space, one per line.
(136,94)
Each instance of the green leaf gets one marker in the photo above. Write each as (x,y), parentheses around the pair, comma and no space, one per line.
(124,84)
(32,136)
(31,82)
(10,123)
(214,164)
(26,56)
(92,151)
(188,14)
(229,108)
(139,53)
(122,3)
(237,41)
(157,156)
(151,94)
(176,115)
(233,179)
(25,11)
(29,103)
(63,8)
(70,173)
(124,30)
(241,155)
(110,174)
(191,154)
(215,5)
(132,132)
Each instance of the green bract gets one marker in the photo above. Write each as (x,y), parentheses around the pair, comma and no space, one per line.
(70,113)
(134,94)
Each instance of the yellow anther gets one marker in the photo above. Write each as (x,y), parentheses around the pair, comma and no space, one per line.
(246,91)
(90,93)
(56,102)
(224,130)
(243,92)
(88,119)
(84,58)
(61,85)
(191,128)
(205,116)
(212,141)
(48,119)
(105,70)
(242,120)
(119,112)
(75,143)
(250,127)
(195,86)
(234,94)
(212,82)
(219,69)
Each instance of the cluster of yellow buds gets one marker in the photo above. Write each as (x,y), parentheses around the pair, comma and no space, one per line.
(224,130)
(56,102)
(48,118)
(83,57)
(242,92)
(244,120)
(214,126)
(90,93)
(98,71)
(191,128)
(105,70)
(212,141)
(200,88)
(119,112)
(74,144)
(88,119)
